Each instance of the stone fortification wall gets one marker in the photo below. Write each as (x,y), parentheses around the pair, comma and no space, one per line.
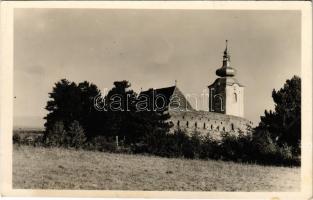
(208,122)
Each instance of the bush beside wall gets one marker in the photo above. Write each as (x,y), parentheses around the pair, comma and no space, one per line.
(240,148)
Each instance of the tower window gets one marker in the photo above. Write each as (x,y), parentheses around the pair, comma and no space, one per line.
(178,122)
(204,126)
(232,127)
(187,124)
(235,97)
(196,125)
(223,128)
(218,103)
(211,127)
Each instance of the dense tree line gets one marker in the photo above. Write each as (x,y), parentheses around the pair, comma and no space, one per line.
(72,102)
(74,121)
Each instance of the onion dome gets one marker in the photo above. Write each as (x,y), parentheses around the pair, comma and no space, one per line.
(226,70)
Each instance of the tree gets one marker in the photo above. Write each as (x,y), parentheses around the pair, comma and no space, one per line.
(69,102)
(65,104)
(284,123)
(91,119)
(120,106)
(152,122)
(126,121)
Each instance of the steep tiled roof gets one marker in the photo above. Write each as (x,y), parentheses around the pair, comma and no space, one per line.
(166,94)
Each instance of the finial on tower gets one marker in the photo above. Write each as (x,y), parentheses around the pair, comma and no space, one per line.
(226,44)
(226,55)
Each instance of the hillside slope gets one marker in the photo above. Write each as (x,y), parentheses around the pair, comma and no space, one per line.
(54,168)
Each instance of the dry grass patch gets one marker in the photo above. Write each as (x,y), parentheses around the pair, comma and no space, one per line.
(56,168)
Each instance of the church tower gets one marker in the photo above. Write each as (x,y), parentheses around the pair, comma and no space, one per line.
(226,93)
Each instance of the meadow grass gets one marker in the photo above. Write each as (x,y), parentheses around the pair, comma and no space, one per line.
(57,168)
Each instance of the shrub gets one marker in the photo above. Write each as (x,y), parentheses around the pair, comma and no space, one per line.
(38,141)
(59,137)
(175,144)
(285,156)
(194,145)
(257,148)
(264,148)
(229,147)
(286,152)
(180,144)
(140,148)
(56,136)
(101,143)
(76,136)
(210,148)
(16,138)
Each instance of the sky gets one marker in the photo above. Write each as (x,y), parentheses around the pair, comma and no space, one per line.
(151,49)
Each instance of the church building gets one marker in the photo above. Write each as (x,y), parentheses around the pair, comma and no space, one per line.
(225,110)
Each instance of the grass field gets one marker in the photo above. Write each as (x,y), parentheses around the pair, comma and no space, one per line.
(54,168)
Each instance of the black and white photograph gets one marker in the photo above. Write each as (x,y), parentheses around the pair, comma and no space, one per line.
(138,99)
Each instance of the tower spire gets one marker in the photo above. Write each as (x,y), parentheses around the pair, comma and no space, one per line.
(226,69)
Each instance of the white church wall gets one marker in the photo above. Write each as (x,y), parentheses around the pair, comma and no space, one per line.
(234,100)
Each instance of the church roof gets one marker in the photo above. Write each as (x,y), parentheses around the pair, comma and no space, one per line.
(170,95)
(166,92)
(153,96)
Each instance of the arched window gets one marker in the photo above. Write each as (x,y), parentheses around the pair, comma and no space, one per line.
(204,126)
(232,127)
(218,103)
(196,125)
(211,127)
(223,128)
(218,128)
(178,123)
(187,124)
(235,97)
